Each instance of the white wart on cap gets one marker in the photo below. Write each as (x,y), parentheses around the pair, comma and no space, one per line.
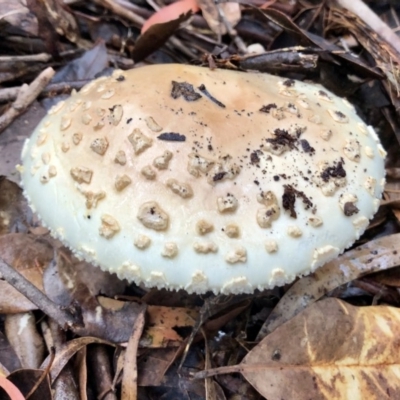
(183,177)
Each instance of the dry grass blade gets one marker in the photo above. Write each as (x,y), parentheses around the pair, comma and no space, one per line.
(376,255)
(129,378)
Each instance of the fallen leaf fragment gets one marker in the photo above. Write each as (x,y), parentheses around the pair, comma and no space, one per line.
(170,12)
(157,34)
(29,256)
(154,365)
(376,255)
(161,320)
(330,351)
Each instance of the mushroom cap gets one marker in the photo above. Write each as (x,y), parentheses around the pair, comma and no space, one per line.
(184,177)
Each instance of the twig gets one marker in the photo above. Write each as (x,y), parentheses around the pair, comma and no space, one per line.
(232,32)
(41,57)
(359,8)
(63,317)
(10,94)
(26,96)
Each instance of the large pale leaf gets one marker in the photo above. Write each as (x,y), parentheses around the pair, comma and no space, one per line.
(332,350)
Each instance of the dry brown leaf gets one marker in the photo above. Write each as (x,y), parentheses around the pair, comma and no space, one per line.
(109,319)
(376,255)
(389,278)
(332,350)
(29,255)
(161,323)
(154,364)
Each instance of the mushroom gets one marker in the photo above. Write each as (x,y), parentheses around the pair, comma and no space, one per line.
(184,177)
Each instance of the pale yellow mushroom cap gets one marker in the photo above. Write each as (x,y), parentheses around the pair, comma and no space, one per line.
(184,177)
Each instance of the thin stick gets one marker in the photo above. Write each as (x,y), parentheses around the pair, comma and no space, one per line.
(41,57)
(26,96)
(10,94)
(129,378)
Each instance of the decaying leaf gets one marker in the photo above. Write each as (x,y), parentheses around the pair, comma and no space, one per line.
(389,278)
(154,364)
(161,322)
(29,255)
(331,350)
(376,255)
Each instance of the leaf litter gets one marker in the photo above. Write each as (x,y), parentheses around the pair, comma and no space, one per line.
(313,338)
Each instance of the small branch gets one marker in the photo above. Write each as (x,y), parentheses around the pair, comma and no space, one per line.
(41,57)
(63,317)
(26,96)
(10,94)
